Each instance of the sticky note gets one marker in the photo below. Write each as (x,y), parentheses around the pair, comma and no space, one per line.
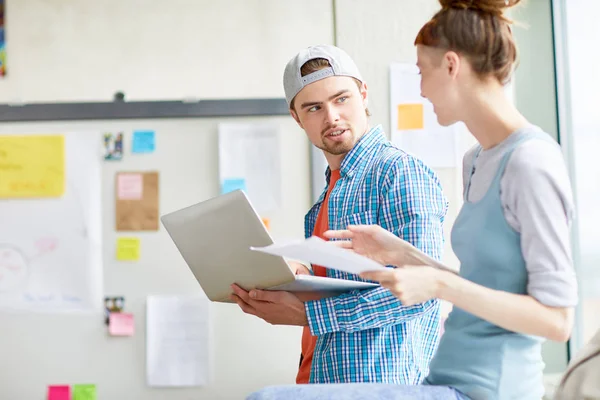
(128,249)
(32,166)
(410,116)
(143,142)
(267,223)
(229,185)
(59,392)
(84,392)
(130,186)
(121,324)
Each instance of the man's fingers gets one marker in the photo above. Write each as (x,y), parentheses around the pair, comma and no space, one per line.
(241,293)
(247,308)
(265,295)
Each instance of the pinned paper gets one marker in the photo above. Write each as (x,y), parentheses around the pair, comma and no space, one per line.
(121,324)
(113,146)
(143,142)
(84,392)
(32,166)
(128,249)
(59,392)
(410,116)
(130,186)
(113,305)
(229,185)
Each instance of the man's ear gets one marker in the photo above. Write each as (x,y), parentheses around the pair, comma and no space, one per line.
(364,93)
(295,116)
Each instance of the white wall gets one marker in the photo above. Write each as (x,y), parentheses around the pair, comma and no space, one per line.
(151,49)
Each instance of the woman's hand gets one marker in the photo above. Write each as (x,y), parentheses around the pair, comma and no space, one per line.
(371,241)
(412,285)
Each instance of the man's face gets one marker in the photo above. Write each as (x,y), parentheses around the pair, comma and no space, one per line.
(332,113)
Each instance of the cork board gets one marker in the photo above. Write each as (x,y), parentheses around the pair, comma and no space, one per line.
(136,196)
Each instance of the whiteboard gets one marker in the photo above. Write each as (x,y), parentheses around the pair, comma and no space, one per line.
(43,349)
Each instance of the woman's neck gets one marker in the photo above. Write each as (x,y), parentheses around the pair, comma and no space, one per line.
(491,117)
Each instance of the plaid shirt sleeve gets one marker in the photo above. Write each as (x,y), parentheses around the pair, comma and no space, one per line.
(413,207)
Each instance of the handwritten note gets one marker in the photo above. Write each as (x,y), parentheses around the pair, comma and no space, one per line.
(84,392)
(32,166)
(121,324)
(130,186)
(143,142)
(128,249)
(59,392)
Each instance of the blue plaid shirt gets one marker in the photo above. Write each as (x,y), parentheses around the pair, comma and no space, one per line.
(368,335)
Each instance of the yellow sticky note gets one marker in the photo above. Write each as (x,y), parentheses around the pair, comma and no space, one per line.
(32,166)
(128,249)
(410,116)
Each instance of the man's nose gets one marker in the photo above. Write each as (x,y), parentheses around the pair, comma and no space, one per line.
(332,114)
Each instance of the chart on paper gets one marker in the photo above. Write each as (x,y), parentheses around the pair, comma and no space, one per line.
(50,258)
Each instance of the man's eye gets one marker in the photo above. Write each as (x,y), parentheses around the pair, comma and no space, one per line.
(313,108)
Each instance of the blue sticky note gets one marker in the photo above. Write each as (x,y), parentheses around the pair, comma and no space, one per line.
(143,142)
(229,185)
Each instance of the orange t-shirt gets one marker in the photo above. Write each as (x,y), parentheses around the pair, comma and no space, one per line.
(309,341)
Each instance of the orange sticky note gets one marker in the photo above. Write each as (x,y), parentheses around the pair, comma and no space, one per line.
(267,223)
(121,324)
(59,392)
(410,116)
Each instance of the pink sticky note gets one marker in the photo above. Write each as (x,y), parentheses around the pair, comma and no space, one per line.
(121,324)
(130,186)
(59,392)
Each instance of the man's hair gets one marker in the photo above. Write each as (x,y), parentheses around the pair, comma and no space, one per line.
(478,30)
(317,64)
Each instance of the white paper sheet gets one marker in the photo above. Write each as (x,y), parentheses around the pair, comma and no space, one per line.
(249,157)
(434,144)
(318,251)
(178,341)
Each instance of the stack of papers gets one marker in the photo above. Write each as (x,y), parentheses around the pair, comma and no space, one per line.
(318,251)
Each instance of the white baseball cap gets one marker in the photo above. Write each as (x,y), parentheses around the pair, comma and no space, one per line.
(340,61)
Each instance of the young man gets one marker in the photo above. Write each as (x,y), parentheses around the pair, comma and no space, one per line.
(368,335)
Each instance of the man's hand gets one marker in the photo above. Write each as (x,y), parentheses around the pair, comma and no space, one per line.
(277,308)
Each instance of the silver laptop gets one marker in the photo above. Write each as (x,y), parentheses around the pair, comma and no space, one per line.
(214,238)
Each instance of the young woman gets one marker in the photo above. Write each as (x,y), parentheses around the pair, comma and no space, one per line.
(516,285)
